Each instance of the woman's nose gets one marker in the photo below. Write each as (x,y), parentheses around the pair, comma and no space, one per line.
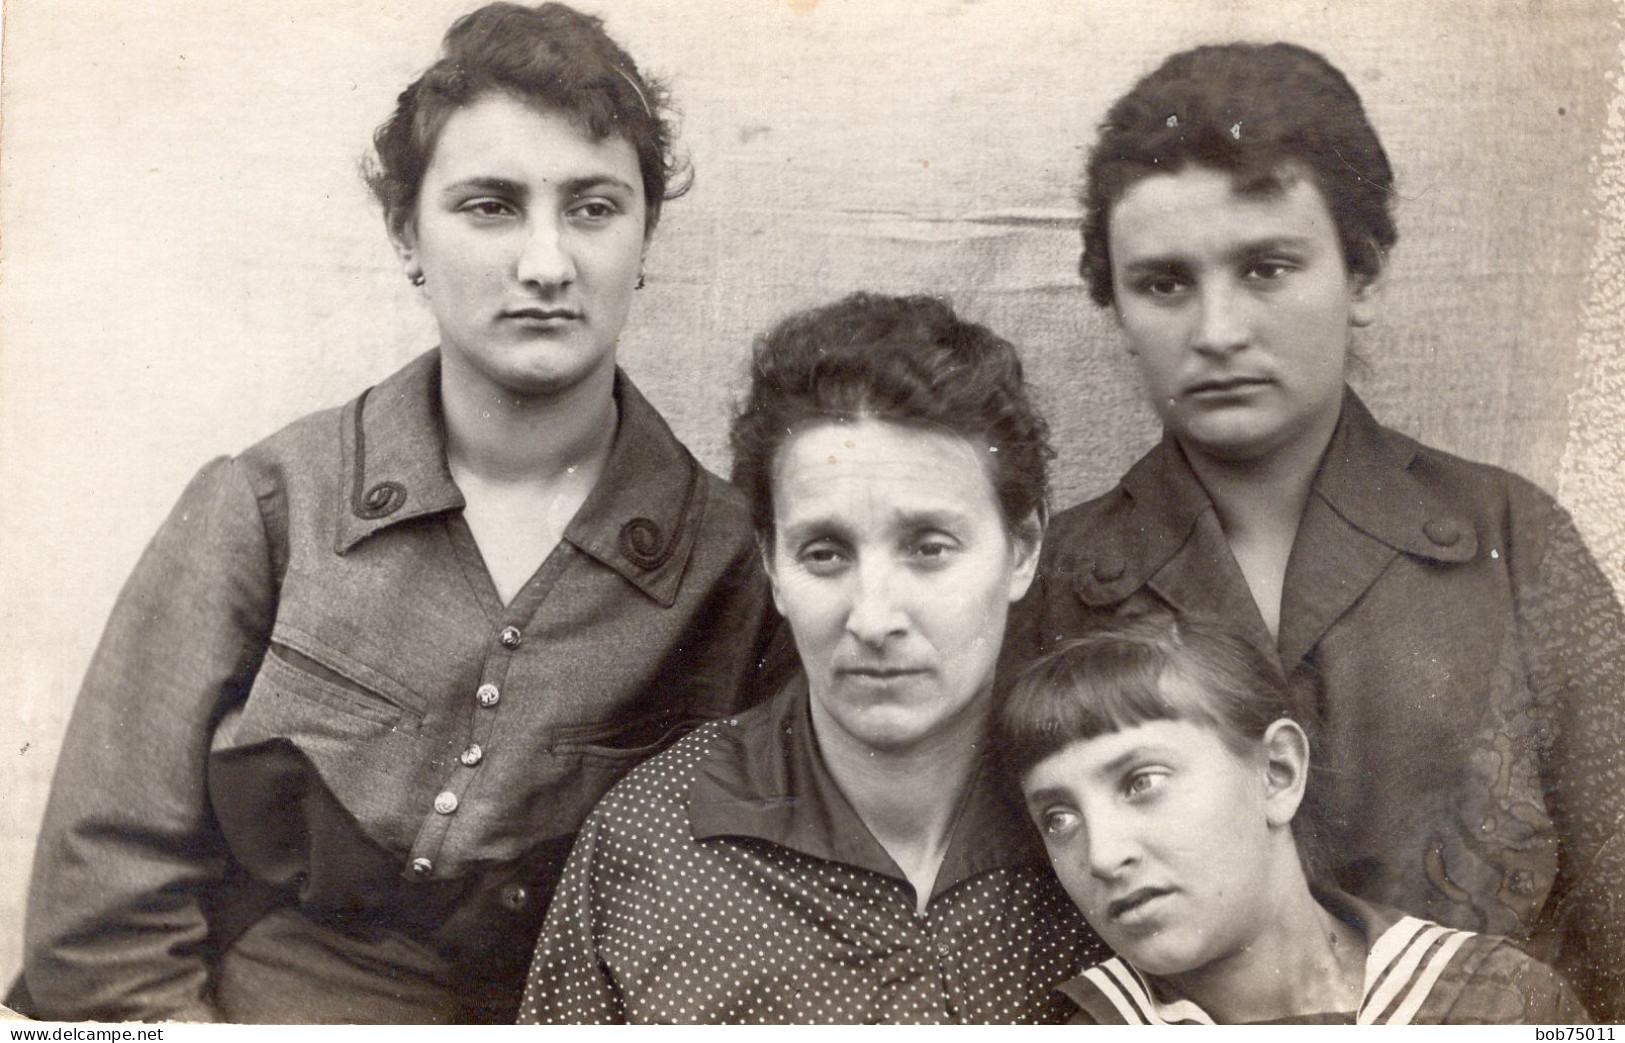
(876,612)
(1111,844)
(1221,320)
(545,258)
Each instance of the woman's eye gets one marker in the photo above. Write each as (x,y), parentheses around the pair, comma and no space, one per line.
(1166,284)
(934,549)
(1268,271)
(821,559)
(1140,783)
(486,208)
(595,210)
(1055,820)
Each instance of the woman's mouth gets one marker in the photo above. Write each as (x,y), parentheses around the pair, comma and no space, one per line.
(542,316)
(879,673)
(1128,907)
(1219,387)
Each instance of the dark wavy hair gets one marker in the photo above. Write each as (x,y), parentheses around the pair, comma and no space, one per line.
(552,57)
(1248,110)
(905,360)
(1158,666)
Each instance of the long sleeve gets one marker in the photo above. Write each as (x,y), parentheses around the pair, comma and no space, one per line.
(118,925)
(568,982)
(1574,639)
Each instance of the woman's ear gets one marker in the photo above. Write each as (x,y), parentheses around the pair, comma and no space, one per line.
(1026,541)
(403,236)
(1365,288)
(1122,330)
(764,547)
(1286,770)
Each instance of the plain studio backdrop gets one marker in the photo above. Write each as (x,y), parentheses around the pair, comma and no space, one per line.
(189,259)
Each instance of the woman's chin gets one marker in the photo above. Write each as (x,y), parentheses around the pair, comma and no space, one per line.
(1162,955)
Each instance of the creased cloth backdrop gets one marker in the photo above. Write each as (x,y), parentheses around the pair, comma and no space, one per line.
(189,259)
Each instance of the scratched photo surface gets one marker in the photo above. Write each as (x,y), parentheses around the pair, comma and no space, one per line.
(190,260)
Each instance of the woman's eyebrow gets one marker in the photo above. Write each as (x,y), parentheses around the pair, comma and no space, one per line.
(1135,754)
(1268,243)
(1045,794)
(1155,263)
(1174,261)
(496,185)
(819,525)
(1121,761)
(576,186)
(929,518)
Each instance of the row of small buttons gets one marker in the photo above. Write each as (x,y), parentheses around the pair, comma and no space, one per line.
(488,694)
(446,802)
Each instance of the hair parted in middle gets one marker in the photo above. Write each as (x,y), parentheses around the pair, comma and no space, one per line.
(904,360)
(1249,110)
(550,56)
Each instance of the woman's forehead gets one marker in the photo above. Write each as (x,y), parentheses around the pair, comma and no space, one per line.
(871,465)
(497,130)
(1207,209)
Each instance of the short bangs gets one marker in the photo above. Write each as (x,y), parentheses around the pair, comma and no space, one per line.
(1132,672)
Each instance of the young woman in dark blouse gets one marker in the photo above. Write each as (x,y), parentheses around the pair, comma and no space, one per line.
(1439,621)
(371,674)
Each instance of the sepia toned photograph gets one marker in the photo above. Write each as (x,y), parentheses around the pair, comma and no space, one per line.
(812,511)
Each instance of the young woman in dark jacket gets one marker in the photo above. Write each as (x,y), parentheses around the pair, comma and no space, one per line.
(1460,655)
(371,674)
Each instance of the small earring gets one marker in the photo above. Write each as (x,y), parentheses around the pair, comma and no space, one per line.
(639,286)
(418,278)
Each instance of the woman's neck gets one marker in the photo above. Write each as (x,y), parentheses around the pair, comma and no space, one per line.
(1251,492)
(909,798)
(499,438)
(1260,503)
(1302,960)
(524,466)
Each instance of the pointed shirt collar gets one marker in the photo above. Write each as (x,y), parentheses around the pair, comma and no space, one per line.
(1365,477)
(766,779)
(640,519)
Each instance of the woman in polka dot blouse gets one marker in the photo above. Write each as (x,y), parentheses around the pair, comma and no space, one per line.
(846,852)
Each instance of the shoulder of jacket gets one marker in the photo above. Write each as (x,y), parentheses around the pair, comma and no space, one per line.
(1471,482)
(1102,518)
(1093,512)
(311,440)
(1511,511)
(724,506)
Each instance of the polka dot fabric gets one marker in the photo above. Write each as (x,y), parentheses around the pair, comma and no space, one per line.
(652,924)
